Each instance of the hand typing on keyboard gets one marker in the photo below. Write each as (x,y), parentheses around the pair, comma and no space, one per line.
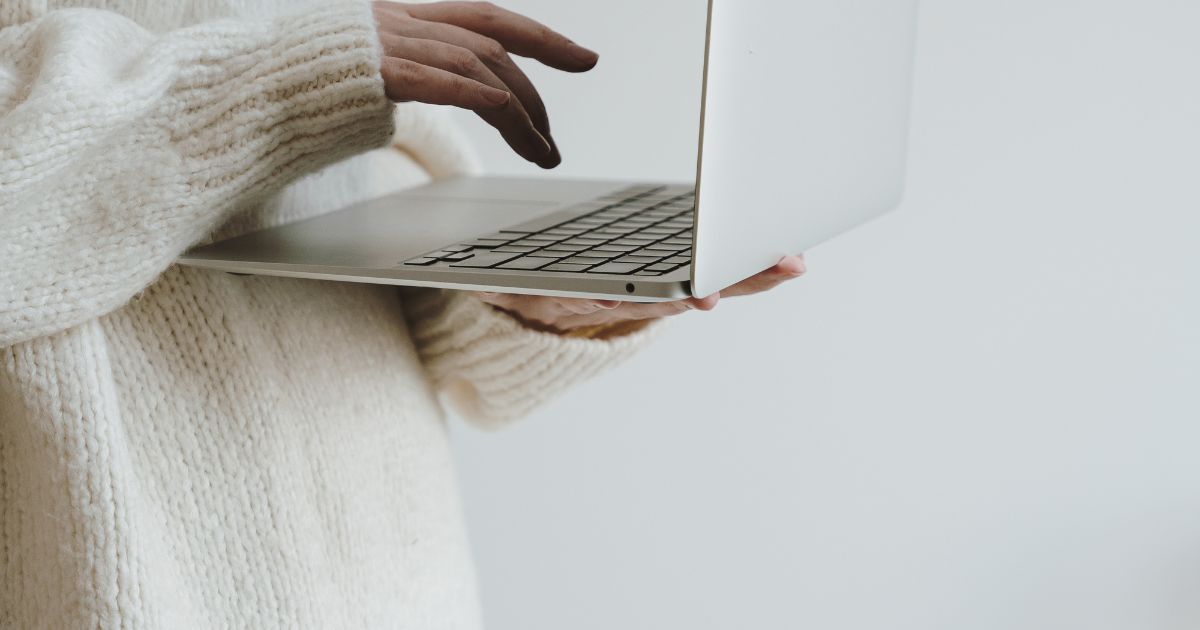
(563,315)
(457,53)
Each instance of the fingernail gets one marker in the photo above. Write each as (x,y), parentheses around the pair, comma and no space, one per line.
(585,56)
(550,160)
(555,154)
(497,97)
(541,147)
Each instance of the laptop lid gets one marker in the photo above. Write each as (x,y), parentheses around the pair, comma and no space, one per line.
(804,127)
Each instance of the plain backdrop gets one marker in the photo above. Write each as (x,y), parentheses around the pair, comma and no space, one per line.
(980,412)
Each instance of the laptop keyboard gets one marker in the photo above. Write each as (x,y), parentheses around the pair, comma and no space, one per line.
(640,231)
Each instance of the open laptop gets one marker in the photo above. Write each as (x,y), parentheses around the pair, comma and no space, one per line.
(803,136)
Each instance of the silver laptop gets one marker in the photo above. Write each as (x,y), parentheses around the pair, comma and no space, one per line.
(803,136)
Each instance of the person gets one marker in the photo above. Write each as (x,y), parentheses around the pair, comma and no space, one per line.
(187,449)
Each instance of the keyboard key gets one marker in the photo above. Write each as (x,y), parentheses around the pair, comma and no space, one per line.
(643,260)
(591,253)
(546,254)
(567,268)
(457,257)
(586,260)
(535,242)
(563,232)
(457,248)
(617,268)
(662,268)
(659,250)
(485,244)
(678,260)
(620,249)
(526,264)
(485,260)
(561,247)
(422,262)
(515,249)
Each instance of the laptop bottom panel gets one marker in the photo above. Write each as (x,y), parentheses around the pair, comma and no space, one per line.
(607,240)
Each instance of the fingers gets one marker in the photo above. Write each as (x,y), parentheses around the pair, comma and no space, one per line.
(544,313)
(670,309)
(411,81)
(787,269)
(517,33)
(512,121)
(631,311)
(560,314)
(588,307)
(493,55)
(501,300)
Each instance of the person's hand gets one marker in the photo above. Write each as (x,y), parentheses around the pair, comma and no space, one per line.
(563,315)
(457,53)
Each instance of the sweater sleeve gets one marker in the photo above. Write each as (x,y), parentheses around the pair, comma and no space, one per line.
(120,148)
(493,369)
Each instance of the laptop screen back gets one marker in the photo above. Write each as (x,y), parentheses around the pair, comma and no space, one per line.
(805,127)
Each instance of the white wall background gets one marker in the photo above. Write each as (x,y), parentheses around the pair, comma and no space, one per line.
(981,412)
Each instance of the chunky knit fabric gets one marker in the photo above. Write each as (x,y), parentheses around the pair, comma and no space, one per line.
(188,449)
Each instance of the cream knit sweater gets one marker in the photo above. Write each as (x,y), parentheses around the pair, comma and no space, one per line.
(188,449)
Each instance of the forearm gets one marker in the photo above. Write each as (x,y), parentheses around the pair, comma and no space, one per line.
(125,147)
(495,369)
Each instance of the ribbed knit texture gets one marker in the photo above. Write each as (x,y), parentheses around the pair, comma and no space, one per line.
(521,369)
(189,449)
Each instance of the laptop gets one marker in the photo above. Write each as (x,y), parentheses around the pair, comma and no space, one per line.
(803,136)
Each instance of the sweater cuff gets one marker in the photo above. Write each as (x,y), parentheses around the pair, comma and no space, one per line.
(431,138)
(281,99)
(492,368)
